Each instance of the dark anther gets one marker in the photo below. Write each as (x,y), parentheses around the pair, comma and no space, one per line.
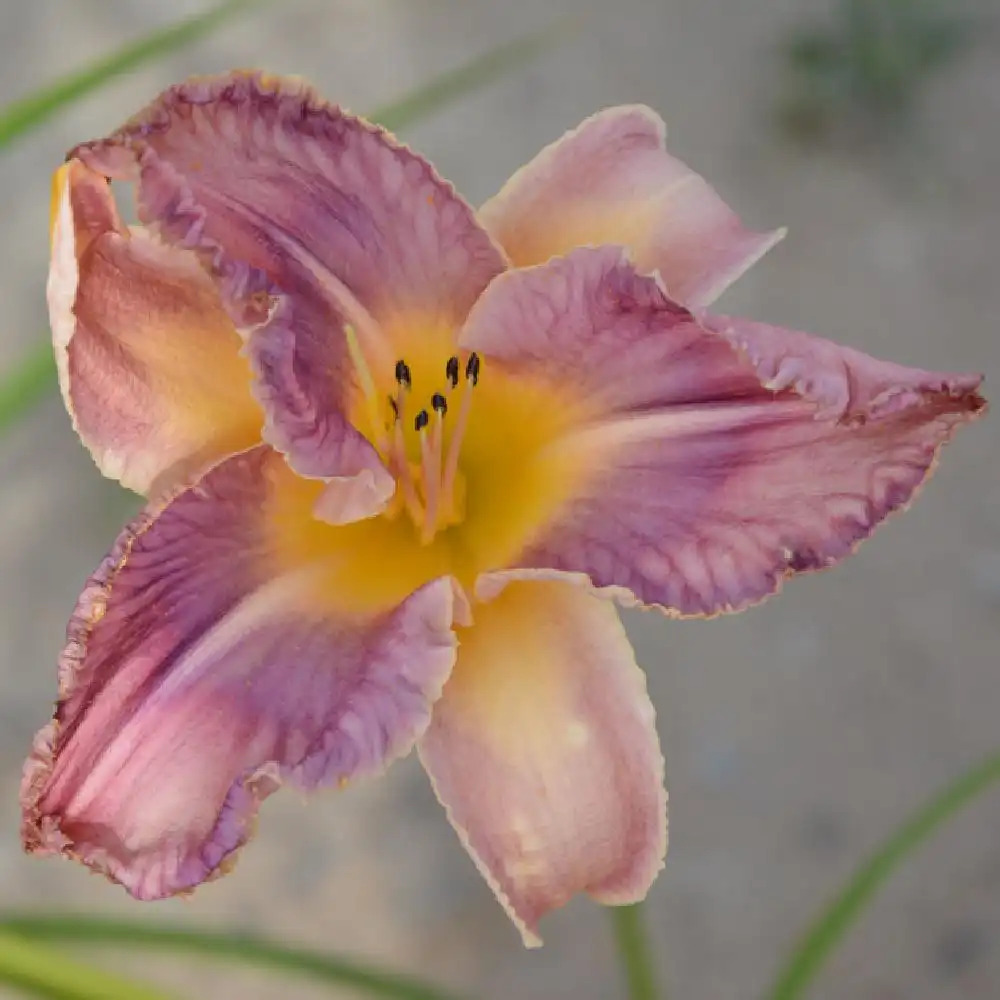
(472,368)
(421,420)
(451,371)
(439,403)
(394,406)
(403,374)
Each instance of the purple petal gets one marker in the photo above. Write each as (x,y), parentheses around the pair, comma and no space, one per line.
(543,749)
(611,180)
(847,386)
(717,461)
(148,359)
(203,667)
(311,219)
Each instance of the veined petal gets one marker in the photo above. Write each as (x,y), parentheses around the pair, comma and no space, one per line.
(543,750)
(611,180)
(313,220)
(845,385)
(148,360)
(718,461)
(203,667)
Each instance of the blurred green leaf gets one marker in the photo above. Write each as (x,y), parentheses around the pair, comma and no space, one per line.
(39,972)
(28,112)
(816,53)
(868,66)
(245,948)
(30,379)
(479,71)
(850,903)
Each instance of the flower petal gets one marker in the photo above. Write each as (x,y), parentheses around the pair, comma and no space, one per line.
(312,219)
(359,493)
(718,461)
(611,180)
(543,750)
(148,360)
(202,668)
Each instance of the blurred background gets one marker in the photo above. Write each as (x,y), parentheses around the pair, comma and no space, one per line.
(798,734)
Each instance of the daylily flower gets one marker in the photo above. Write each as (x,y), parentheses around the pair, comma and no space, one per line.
(402,459)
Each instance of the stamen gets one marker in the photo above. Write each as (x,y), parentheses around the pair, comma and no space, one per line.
(401,467)
(398,462)
(431,455)
(426,490)
(402,392)
(430,460)
(367,384)
(397,503)
(472,367)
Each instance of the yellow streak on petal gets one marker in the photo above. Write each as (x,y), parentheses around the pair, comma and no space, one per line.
(510,667)
(626,222)
(59,181)
(516,477)
(190,353)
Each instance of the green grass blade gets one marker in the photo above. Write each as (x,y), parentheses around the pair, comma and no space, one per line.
(28,112)
(26,384)
(38,972)
(479,71)
(244,948)
(826,932)
(634,954)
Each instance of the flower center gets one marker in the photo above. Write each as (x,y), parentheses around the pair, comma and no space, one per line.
(430,489)
(420,440)
(475,484)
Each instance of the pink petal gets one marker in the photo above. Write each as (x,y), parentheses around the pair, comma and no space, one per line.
(611,180)
(719,461)
(311,219)
(544,752)
(148,359)
(357,494)
(202,669)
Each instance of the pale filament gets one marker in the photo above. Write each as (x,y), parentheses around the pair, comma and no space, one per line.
(455,444)
(430,459)
(398,461)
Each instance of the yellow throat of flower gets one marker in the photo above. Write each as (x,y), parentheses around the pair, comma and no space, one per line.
(477,456)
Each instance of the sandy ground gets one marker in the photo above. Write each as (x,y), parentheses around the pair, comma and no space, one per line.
(798,734)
